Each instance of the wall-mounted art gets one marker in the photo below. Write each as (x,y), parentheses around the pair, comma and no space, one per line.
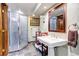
(34,21)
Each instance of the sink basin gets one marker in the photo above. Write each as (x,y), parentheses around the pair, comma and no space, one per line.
(52,41)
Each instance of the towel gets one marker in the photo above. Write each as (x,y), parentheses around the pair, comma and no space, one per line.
(73,35)
(72,38)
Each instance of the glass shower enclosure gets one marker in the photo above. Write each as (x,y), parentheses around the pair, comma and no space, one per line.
(18,31)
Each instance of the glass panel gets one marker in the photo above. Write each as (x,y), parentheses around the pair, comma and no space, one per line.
(14,33)
(57,20)
(23,31)
(53,21)
(17,31)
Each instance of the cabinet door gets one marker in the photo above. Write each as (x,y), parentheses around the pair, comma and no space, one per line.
(4,29)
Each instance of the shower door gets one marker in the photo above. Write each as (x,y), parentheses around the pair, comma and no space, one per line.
(13,32)
(17,31)
(23,31)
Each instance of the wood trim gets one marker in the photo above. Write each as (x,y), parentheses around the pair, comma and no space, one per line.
(0,30)
(54,6)
(58,6)
(3,29)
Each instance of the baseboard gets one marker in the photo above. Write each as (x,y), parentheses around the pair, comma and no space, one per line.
(18,49)
(73,54)
(31,41)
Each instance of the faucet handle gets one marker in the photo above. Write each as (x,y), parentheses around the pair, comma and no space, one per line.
(54,35)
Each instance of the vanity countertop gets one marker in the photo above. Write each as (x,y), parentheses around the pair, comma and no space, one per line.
(52,41)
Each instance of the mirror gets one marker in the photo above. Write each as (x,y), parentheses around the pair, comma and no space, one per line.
(57,20)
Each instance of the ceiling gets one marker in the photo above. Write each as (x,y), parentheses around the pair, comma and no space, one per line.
(31,8)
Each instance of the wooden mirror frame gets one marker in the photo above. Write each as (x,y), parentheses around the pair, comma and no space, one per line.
(61,5)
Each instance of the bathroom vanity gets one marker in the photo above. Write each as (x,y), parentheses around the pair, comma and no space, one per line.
(52,42)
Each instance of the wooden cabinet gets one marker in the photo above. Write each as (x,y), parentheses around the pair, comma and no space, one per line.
(3,29)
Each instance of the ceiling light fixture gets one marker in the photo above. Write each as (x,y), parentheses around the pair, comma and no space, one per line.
(33,15)
(20,12)
(45,7)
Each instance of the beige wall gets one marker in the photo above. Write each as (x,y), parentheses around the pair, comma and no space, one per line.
(73,17)
(31,30)
(44,23)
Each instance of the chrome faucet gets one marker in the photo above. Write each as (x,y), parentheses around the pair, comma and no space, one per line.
(55,36)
